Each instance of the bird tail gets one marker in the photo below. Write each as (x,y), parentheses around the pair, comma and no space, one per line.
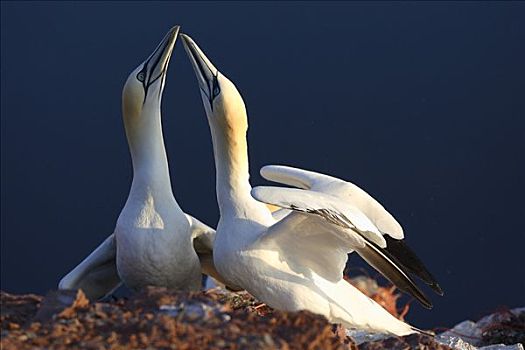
(429,333)
(356,310)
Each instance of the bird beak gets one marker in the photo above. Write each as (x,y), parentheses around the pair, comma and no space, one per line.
(204,69)
(157,62)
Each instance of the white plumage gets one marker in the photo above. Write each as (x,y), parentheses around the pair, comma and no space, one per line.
(154,242)
(296,263)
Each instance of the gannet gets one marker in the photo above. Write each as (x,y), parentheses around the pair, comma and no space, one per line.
(154,241)
(297,263)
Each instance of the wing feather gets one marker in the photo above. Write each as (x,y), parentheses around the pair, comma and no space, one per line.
(326,206)
(344,190)
(203,239)
(400,252)
(393,271)
(338,229)
(304,242)
(97,274)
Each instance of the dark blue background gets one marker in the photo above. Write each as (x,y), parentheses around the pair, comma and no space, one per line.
(421,104)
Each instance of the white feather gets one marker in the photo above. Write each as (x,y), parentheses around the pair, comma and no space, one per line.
(296,263)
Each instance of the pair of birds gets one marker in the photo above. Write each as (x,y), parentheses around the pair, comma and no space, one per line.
(291,259)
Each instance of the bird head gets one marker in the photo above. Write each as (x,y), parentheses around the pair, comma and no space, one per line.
(143,89)
(222,101)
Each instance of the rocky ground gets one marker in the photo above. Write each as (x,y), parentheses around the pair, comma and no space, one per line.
(215,319)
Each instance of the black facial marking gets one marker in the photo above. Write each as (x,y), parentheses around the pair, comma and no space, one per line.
(213,86)
(145,78)
(216,90)
(154,65)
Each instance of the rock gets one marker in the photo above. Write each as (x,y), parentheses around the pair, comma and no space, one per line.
(503,327)
(17,309)
(465,335)
(194,311)
(157,318)
(63,303)
(412,341)
(454,342)
(506,328)
(360,336)
(503,347)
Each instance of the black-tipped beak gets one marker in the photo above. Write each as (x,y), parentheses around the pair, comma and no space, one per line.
(157,63)
(204,70)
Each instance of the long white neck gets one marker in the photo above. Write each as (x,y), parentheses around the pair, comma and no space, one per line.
(150,163)
(233,177)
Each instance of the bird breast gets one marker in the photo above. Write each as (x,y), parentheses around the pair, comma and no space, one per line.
(154,247)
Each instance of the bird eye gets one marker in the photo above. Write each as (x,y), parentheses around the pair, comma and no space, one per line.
(141,76)
(216,89)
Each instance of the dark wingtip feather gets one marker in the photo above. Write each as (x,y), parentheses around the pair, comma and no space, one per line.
(405,256)
(382,262)
(422,298)
(437,288)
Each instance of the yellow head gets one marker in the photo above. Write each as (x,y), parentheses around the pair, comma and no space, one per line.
(222,101)
(142,93)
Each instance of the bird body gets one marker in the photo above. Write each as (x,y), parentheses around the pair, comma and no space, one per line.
(154,242)
(295,263)
(248,255)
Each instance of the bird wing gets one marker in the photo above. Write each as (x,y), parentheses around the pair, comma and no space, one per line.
(202,235)
(396,249)
(323,230)
(392,231)
(344,190)
(326,206)
(97,274)
(203,238)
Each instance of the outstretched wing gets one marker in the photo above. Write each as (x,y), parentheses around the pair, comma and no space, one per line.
(346,191)
(339,228)
(97,274)
(328,207)
(396,249)
(203,237)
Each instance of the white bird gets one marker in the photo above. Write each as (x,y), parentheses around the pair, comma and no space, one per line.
(297,263)
(154,242)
